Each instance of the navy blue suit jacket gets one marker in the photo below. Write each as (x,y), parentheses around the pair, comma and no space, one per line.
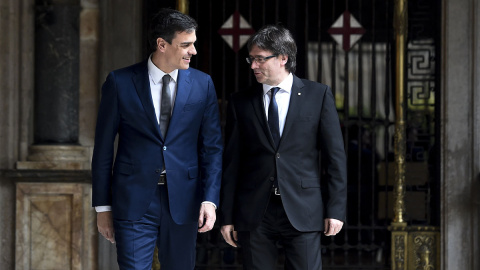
(192,149)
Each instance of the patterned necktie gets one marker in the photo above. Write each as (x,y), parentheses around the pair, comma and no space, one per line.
(166,106)
(273,122)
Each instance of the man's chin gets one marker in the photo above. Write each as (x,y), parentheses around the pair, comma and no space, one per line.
(260,80)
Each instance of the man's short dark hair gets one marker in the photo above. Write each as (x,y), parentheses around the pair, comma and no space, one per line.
(278,40)
(166,23)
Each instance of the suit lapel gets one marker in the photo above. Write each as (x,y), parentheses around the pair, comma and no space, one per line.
(293,107)
(142,85)
(259,108)
(184,86)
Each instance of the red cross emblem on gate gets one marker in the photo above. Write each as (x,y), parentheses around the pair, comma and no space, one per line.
(236,31)
(346,31)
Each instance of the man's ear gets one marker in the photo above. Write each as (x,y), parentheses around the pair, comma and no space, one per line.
(284,59)
(161,44)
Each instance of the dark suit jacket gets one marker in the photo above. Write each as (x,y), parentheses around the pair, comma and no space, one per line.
(251,161)
(192,149)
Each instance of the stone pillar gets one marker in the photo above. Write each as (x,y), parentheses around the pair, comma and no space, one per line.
(11,79)
(56,89)
(56,73)
(58,104)
(89,86)
(460,142)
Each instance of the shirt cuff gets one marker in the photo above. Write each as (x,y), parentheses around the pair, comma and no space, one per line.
(103,208)
(106,208)
(207,202)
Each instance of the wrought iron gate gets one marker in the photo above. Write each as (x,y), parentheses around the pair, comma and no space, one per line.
(361,75)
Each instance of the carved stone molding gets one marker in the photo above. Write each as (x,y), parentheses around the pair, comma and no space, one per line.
(56,157)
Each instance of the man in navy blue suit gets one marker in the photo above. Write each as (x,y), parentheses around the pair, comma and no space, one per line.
(163,183)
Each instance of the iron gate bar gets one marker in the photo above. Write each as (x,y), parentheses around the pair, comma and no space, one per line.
(319,44)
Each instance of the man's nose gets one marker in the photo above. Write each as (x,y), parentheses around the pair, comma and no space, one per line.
(193,51)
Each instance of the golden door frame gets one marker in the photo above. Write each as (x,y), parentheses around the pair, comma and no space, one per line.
(413,247)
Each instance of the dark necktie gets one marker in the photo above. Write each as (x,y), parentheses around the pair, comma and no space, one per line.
(273,122)
(166,106)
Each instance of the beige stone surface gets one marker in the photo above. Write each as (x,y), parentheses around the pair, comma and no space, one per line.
(56,157)
(89,87)
(53,165)
(54,227)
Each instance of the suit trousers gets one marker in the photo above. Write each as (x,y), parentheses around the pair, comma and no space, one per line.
(260,247)
(135,240)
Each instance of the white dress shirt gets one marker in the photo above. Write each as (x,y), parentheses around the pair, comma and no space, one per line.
(282,97)
(155,78)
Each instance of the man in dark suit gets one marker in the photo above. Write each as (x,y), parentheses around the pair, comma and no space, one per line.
(164,184)
(271,181)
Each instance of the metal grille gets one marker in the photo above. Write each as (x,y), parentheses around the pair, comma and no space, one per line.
(362,82)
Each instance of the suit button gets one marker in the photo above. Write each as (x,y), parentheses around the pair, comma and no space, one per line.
(272,178)
(164,148)
(278,155)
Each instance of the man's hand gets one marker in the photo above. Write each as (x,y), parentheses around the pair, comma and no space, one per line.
(207,217)
(105,225)
(332,226)
(227,232)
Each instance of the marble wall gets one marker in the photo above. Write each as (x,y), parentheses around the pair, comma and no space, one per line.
(55,227)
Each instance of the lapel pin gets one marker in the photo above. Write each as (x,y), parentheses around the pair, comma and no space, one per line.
(299,94)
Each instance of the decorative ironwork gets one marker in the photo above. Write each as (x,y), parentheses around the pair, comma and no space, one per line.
(182,6)
(236,31)
(399,255)
(399,188)
(425,255)
(346,31)
(400,25)
(400,17)
(421,74)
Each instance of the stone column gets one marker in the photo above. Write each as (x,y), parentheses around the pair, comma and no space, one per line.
(56,89)
(460,148)
(54,225)
(56,73)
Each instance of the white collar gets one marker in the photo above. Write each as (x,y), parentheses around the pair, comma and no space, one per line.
(156,74)
(285,85)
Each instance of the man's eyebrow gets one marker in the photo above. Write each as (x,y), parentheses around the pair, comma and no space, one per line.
(186,43)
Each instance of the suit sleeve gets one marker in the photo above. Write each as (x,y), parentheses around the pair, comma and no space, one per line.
(231,161)
(331,141)
(210,147)
(105,132)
